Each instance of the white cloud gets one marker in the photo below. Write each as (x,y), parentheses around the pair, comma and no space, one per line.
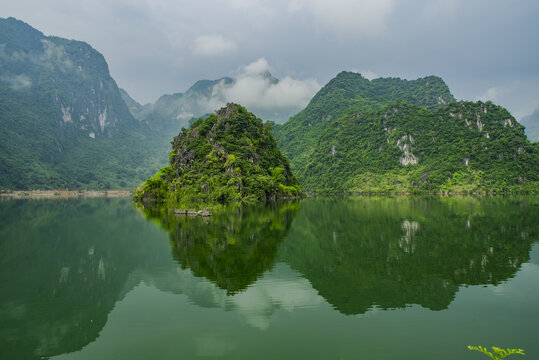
(155,39)
(255,90)
(17,82)
(55,55)
(213,44)
(278,289)
(492,94)
(261,93)
(367,74)
(258,303)
(257,67)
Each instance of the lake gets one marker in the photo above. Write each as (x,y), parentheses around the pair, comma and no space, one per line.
(345,278)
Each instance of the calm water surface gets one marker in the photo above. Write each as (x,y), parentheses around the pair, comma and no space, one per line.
(364,278)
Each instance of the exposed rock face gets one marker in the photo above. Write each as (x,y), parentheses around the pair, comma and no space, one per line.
(405,145)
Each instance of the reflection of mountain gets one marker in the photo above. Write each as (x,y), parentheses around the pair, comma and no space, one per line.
(64,264)
(389,252)
(279,288)
(235,247)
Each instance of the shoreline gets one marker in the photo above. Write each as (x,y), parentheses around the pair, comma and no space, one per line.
(63,194)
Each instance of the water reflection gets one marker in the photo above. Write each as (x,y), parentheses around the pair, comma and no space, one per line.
(65,265)
(391,252)
(234,247)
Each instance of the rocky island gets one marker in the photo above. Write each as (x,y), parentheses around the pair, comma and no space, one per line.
(231,155)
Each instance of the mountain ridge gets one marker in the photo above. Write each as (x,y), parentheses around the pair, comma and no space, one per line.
(64,120)
(348,92)
(393,135)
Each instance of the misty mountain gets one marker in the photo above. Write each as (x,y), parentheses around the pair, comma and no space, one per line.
(132,104)
(198,100)
(256,87)
(63,118)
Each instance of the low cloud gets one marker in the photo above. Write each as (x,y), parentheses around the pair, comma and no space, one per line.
(492,94)
(54,56)
(261,93)
(370,75)
(213,44)
(257,90)
(17,82)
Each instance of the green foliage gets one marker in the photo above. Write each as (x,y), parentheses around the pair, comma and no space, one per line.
(393,251)
(498,353)
(396,136)
(350,93)
(235,246)
(231,155)
(64,122)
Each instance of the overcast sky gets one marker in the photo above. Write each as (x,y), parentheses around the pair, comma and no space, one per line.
(483,49)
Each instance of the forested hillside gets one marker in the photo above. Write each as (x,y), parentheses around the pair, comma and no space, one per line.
(391,135)
(347,93)
(231,155)
(64,122)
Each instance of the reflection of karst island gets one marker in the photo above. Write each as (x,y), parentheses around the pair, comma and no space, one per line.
(389,253)
(232,248)
(62,301)
(359,253)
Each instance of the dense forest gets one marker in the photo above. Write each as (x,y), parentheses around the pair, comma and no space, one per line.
(64,122)
(231,155)
(393,135)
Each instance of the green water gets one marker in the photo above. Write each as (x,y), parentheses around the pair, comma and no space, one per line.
(363,278)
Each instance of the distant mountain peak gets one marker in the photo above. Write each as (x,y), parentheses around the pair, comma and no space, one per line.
(206,86)
(268,76)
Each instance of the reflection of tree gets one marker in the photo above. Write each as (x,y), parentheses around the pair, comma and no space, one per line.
(64,264)
(235,247)
(390,252)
